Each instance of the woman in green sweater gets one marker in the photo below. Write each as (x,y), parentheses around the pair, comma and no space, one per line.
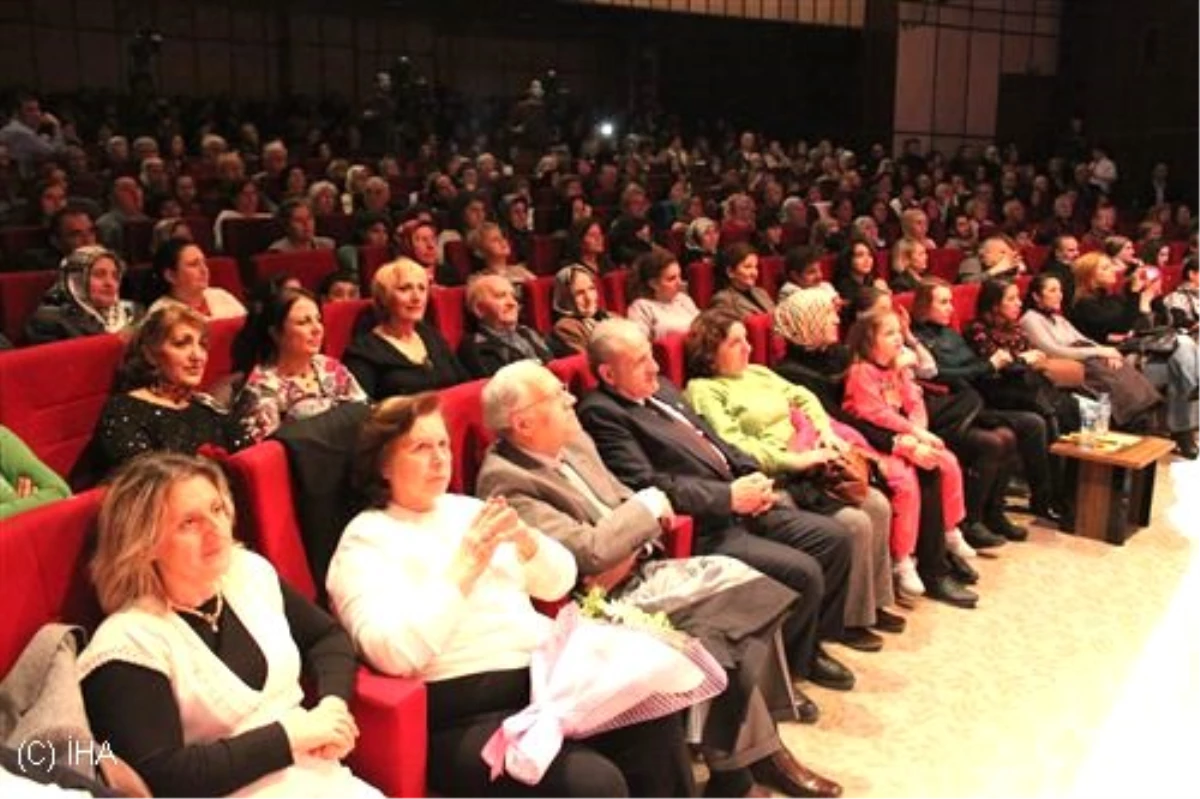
(757,411)
(25,482)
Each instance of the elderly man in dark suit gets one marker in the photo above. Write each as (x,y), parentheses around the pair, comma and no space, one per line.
(499,337)
(648,437)
(549,471)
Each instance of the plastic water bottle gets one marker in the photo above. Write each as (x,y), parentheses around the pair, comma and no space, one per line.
(1088,414)
(1103,414)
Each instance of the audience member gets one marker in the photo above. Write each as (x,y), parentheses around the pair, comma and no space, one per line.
(499,337)
(467,628)
(182,273)
(209,642)
(742,294)
(157,404)
(287,376)
(577,311)
(402,354)
(85,300)
(548,470)
(649,438)
(299,229)
(661,305)
(25,482)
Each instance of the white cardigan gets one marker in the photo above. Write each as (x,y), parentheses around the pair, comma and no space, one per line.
(388,583)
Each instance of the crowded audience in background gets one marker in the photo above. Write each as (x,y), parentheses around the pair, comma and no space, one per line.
(858,460)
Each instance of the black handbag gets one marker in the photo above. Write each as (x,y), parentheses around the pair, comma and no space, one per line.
(1159,342)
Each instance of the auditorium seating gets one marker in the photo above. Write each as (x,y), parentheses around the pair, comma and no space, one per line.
(766,348)
(615,291)
(943,263)
(547,250)
(447,312)
(136,236)
(310,267)
(20,295)
(223,273)
(457,255)
(672,363)
(469,439)
(17,239)
(390,711)
(537,298)
(340,320)
(574,373)
(243,238)
(770,274)
(369,261)
(339,227)
(700,275)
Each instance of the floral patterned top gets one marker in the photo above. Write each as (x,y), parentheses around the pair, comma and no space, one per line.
(985,337)
(273,399)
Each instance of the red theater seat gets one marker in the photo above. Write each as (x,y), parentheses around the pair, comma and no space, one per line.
(574,373)
(340,319)
(700,282)
(338,227)
(202,233)
(369,261)
(536,301)
(828,262)
(44,554)
(221,335)
(447,309)
(1035,257)
(546,253)
(615,291)
(137,234)
(943,263)
(462,408)
(668,352)
(459,257)
(390,711)
(20,295)
(223,273)
(51,396)
(16,240)
(770,274)
(766,348)
(309,267)
(965,296)
(243,238)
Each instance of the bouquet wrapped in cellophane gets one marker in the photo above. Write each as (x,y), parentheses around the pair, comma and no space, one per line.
(606,666)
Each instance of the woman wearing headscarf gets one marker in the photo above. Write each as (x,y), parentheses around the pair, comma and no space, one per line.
(700,241)
(577,310)
(85,301)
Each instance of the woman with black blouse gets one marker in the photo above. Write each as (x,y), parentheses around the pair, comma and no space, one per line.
(1113,317)
(194,676)
(158,404)
(402,354)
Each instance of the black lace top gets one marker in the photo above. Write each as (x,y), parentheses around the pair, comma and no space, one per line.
(130,426)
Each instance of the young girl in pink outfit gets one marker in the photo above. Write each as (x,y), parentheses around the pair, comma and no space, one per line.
(880,389)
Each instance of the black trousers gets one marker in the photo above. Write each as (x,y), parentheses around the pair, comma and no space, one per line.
(808,553)
(647,759)
(931,532)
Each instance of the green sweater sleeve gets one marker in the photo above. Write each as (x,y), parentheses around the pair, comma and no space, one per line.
(16,461)
(798,397)
(711,399)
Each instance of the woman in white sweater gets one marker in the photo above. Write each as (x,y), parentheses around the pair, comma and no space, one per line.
(438,586)
(662,306)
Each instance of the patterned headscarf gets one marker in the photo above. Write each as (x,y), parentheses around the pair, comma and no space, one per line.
(802,318)
(564,297)
(74,279)
(695,232)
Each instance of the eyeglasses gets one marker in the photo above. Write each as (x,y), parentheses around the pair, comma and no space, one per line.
(563,395)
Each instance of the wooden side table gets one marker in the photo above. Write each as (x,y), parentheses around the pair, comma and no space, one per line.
(1115,489)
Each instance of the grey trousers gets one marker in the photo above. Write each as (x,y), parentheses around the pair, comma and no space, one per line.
(870,561)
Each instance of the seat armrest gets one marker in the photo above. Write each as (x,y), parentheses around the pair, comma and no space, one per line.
(393,740)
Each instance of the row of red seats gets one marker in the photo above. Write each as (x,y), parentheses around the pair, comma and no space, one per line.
(45,553)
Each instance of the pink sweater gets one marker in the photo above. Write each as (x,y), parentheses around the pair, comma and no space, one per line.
(889,398)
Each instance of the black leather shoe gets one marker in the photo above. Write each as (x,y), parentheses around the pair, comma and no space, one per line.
(1001,525)
(946,589)
(962,571)
(1185,445)
(980,537)
(806,709)
(889,622)
(783,773)
(1052,513)
(829,673)
(862,639)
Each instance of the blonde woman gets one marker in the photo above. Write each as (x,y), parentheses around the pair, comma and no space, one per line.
(211,643)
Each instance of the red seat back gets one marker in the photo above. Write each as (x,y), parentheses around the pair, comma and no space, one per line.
(537,304)
(458,256)
(766,348)
(700,275)
(340,319)
(266,519)
(51,396)
(224,274)
(1035,257)
(243,238)
(221,336)
(965,296)
(943,263)
(770,274)
(1178,251)
(447,307)
(137,234)
(44,553)
(310,267)
(338,227)
(369,261)
(1172,276)
(828,262)
(614,291)
(668,352)
(545,256)
(462,408)
(202,233)
(20,295)
(574,373)
(16,240)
